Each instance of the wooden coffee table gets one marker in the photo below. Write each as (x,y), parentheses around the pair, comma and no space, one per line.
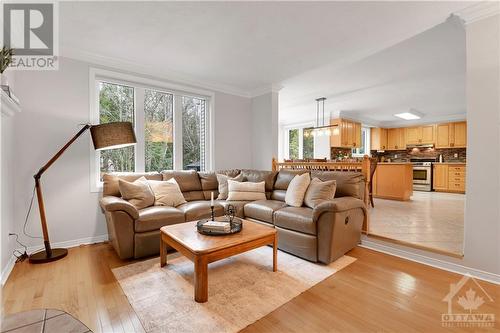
(202,250)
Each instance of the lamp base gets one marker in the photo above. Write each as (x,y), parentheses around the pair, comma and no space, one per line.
(41,257)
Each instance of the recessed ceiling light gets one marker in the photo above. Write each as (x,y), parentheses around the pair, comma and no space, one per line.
(408,115)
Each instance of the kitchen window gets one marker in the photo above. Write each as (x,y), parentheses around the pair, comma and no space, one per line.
(365,144)
(172,126)
(299,143)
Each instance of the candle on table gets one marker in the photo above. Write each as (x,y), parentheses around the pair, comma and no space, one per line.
(212,199)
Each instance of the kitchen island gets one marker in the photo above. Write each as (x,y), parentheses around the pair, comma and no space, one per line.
(393,180)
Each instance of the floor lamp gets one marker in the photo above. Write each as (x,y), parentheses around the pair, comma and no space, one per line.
(110,135)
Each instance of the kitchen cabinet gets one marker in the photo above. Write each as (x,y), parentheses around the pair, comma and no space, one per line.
(459,137)
(396,139)
(347,134)
(420,135)
(378,139)
(451,135)
(440,174)
(449,177)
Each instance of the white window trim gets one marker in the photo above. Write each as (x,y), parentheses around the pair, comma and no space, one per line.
(367,143)
(142,82)
(285,134)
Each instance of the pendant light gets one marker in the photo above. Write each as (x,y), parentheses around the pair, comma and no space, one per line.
(321,128)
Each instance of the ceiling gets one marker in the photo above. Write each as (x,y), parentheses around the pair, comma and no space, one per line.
(243,48)
(425,73)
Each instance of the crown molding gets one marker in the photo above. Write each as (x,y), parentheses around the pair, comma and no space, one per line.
(478,11)
(166,74)
(273,88)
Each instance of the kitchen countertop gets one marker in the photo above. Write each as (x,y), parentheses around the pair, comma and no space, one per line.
(461,163)
(393,163)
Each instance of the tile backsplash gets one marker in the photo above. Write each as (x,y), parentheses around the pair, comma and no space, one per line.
(406,155)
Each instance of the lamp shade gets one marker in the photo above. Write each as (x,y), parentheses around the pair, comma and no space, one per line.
(112,135)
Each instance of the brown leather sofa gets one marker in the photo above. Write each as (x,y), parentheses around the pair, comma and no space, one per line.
(321,234)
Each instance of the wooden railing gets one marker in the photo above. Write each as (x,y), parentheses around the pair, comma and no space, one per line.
(361,165)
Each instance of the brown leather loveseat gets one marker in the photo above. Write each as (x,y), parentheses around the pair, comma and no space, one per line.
(321,234)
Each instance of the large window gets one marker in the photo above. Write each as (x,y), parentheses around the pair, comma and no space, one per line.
(158,130)
(116,103)
(171,127)
(299,143)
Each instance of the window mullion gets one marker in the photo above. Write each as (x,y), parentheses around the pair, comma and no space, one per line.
(140,148)
(301,143)
(178,164)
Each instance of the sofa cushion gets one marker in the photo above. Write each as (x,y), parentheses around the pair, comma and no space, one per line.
(257,176)
(263,209)
(284,178)
(200,209)
(223,186)
(188,181)
(153,218)
(238,205)
(348,183)
(138,192)
(245,191)
(167,192)
(209,184)
(278,195)
(110,180)
(319,191)
(296,218)
(297,190)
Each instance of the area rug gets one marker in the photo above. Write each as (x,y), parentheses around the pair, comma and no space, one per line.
(241,290)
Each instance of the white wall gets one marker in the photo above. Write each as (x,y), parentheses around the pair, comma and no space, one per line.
(482,215)
(265,129)
(54,103)
(232,132)
(7,170)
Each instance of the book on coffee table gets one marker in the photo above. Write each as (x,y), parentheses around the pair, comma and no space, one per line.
(217,226)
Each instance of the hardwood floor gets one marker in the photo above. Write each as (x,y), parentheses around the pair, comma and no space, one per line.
(376,293)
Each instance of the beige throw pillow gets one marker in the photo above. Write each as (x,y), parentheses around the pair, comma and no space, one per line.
(319,191)
(297,189)
(138,193)
(167,192)
(247,191)
(223,189)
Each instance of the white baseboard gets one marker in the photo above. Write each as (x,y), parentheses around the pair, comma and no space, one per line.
(437,263)
(7,269)
(66,244)
(71,243)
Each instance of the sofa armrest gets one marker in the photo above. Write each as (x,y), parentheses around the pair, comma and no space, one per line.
(341,204)
(113,204)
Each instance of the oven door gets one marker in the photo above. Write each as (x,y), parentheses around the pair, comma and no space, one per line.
(421,175)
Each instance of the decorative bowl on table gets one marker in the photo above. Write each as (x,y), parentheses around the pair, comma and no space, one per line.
(235,225)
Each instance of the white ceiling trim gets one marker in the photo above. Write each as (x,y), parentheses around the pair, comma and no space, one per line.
(479,11)
(165,74)
(265,90)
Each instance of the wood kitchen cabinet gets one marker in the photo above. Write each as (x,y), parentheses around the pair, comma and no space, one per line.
(396,139)
(451,135)
(420,135)
(346,135)
(449,177)
(393,181)
(378,139)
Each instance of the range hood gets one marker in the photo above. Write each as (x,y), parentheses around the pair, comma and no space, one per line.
(420,145)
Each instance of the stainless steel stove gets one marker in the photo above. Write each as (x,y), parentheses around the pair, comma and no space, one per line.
(422,173)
